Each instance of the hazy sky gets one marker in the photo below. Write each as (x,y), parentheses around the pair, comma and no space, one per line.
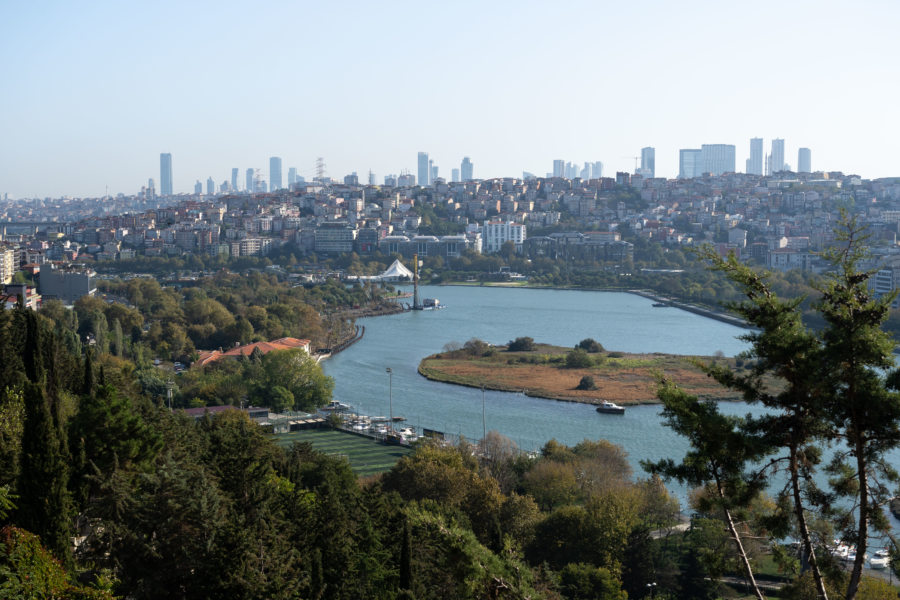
(92,92)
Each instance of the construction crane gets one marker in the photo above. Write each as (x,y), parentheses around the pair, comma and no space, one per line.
(636,159)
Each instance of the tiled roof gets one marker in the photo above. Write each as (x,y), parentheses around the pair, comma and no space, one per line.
(286,343)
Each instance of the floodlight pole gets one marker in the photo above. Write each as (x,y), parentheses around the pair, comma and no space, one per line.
(390,373)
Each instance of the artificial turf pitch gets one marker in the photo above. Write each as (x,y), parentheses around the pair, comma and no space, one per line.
(366,456)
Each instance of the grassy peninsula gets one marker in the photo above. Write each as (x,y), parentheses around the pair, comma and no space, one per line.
(575,375)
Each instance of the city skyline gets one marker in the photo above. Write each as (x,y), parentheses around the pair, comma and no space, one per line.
(73,123)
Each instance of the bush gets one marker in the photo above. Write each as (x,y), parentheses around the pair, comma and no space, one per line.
(586,383)
(616,355)
(590,345)
(521,344)
(476,347)
(578,359)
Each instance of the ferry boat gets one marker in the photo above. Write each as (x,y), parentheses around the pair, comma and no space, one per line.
(610,408)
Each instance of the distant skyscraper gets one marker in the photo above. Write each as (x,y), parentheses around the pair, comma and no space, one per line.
(198,188)
(210,186)
(777,156)
(717,158)
(371,177)
(648,160)
(690,163)
(424,170)
(292,176)
(804,161)
(454,175)
(165,174)
(249,181)
(234,176)
(597,171)
(434,172)
(466,169)
(571,171)
(275,173)
(559,168)
(755,163)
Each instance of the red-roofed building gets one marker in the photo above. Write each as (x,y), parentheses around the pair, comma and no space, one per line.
(286,343)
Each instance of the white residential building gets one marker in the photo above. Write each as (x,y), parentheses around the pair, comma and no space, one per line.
(496,233)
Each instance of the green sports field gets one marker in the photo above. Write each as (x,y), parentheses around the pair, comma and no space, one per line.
(366,456)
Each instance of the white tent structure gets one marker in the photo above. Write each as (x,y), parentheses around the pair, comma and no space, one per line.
(395,272)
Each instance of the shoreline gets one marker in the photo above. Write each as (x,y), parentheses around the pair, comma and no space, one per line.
(710,313)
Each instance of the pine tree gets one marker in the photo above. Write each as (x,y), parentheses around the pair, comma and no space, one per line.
(781,347)
(719,457)
(863,412)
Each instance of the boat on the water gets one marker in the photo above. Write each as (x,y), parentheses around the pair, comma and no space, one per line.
(610,408)
(660,304)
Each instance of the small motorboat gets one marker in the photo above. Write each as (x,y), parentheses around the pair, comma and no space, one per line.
(610,408)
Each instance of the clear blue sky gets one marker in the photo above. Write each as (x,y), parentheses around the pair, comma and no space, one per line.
(92,92)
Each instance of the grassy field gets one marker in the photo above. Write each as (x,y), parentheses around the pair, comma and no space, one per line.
(366,456)
(620,377)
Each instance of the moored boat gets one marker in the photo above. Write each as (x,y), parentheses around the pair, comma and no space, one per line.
(610,408)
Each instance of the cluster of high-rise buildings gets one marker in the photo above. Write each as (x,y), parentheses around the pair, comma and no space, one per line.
(561,168)
(712,159)
(427,171)
(717,159)
(254,181)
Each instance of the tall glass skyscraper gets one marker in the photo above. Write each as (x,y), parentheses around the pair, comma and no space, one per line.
(717,158)
(804,161)
(755,166)
(777,156)
(465,169)
(274,173)
(165,174)
(424,171)
(648,160)
(234,177)
(690,163)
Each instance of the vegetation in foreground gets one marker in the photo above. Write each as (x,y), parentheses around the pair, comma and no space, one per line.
(841,389)
(585,373)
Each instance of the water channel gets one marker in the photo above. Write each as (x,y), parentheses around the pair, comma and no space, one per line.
(619,321)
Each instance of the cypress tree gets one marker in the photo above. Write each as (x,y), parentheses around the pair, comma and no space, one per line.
(31,355)
(43,477)
(406,558)
(87,387)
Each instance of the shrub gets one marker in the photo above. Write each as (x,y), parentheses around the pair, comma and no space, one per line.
(586,383)
(578,359)
(590,345)
(476,347)
(521,344)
